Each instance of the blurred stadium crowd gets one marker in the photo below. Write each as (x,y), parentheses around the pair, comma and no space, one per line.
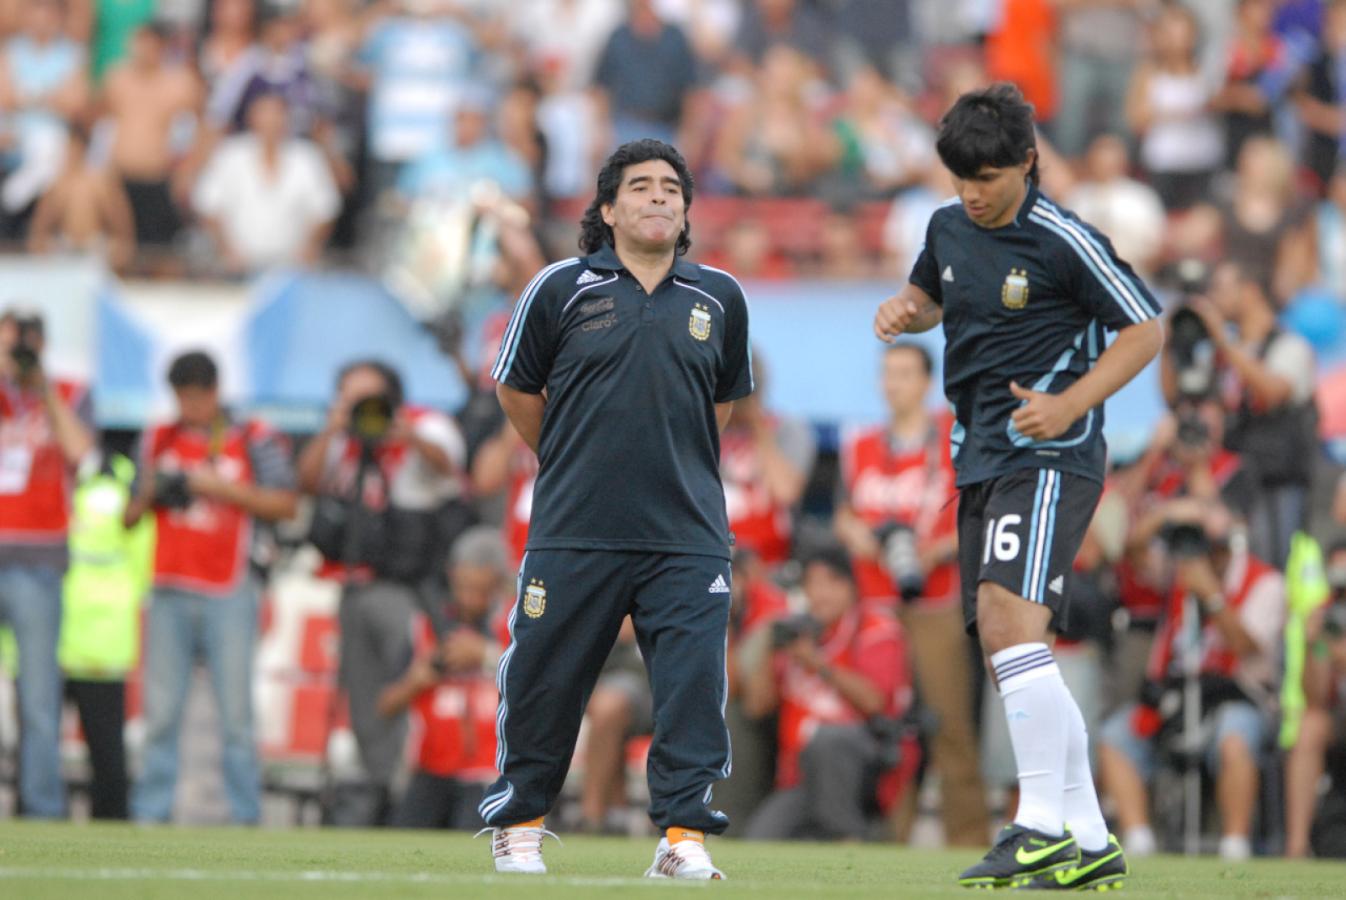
(450,143)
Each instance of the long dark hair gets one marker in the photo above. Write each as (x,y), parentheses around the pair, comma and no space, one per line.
(991,127)
(594,232)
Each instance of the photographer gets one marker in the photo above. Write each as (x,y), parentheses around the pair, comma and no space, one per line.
(837,677)
(384,475)
(1321,726)
(45,431)
(1272,418)
(207,478)
(899,526)
(1241,601)
(451,686)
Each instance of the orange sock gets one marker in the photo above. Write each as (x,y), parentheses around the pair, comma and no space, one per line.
(531,823)
(677,833)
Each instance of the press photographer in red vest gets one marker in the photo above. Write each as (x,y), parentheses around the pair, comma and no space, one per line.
(207,477)
(45,430)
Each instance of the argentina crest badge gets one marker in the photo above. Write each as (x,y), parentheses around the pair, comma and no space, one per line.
(1014,292)
(699,323)
(535,599)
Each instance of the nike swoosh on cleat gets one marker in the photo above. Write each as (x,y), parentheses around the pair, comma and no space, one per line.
(1024,857)
(1071,875)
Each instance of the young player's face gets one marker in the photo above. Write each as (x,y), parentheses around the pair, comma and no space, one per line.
(993,195)
(649,211)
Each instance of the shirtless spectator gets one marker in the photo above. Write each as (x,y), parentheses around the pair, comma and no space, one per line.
(145,96)
(86,210)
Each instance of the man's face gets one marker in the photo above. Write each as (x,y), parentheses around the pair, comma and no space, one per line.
(197,406)
(905,383)
(649,211)
(829,593)
(474,589)
(993,196)
(43,20)
(269,117)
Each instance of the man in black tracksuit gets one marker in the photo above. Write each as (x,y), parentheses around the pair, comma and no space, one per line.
(620,369)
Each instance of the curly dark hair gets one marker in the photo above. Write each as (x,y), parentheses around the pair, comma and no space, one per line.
(594,232)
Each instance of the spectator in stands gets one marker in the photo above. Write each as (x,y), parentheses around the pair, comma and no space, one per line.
(381,470)
(1321,243)
(451,686)
(1273,418)
(1253,219)
(1324,676)
(774,142)
(85,211)
(410,107)
(207,478)
(230,36)
(267,199)
(1019,48)
(564,37)
(1241,601)
(842,254)
(765,462)
(474,156)
(883,145)
(747,250)
(43,85)
(111,569)
(620,708)
(769,23)
(146,97)
(276,64)
(1129,213)
(833,674)
(904,228)
(896,519)
(1255,57)
(1167,108)
(1321,97)
(114,26)
(645,77)
(1097,43)
(46,427)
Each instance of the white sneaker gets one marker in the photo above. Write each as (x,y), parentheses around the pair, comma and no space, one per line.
(1235,848)
(685,859)
(518,849)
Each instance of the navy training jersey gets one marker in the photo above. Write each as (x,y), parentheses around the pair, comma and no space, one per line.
(629,452)
(1027,302)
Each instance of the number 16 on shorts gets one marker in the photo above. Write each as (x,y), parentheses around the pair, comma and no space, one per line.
(1022,531)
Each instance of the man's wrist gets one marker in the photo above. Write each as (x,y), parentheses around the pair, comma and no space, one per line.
(1213,603)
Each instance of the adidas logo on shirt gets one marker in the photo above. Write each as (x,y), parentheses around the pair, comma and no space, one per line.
(948,274)
(588,277)
(1057,585)
(719,586)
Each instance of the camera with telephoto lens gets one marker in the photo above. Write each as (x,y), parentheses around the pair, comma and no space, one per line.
(24,352)
(785,632)
(372,418)
(438,663)
(900,559)
(1185,540)
(1189,342)
(1334,616)
(1192,429)
(171,491)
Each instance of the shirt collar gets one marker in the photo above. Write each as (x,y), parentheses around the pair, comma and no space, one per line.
(605,258)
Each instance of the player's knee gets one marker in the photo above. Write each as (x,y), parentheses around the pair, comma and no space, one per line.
(1004,619)
(608,707)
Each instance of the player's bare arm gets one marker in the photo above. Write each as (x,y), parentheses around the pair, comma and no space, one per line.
(910,311)
(524,412)
(1045,416)
(723,412)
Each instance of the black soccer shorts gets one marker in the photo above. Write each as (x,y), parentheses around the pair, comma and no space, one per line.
(1022,531)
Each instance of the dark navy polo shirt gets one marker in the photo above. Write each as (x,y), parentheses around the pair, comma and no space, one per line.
(629,452)
(1027,302)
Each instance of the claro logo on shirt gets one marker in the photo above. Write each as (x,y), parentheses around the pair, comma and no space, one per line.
(699,323)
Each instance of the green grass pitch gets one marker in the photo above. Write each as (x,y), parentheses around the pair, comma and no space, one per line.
(109,862)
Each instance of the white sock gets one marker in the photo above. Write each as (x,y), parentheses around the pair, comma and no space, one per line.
(1030,686)
(1081,799)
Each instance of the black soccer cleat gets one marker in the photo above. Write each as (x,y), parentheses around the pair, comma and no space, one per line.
(1020,853)
(1105,870)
